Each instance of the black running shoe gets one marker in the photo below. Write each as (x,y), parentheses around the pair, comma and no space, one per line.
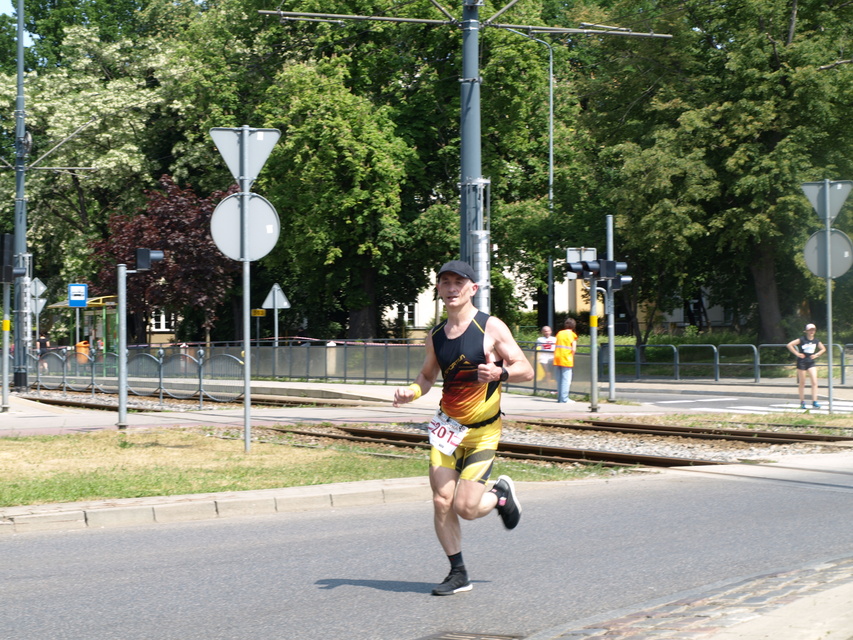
(455,582)
(508,507)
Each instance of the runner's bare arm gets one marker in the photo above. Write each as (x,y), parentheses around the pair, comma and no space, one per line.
(500,345)
(425,380)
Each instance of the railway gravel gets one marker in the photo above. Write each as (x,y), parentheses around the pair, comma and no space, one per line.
(675,447)
(721,451)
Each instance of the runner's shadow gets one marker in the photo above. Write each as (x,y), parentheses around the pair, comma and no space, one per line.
(395,586)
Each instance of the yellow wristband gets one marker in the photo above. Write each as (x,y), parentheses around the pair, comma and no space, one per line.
(417,389)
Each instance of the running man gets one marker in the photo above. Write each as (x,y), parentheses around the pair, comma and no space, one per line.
(475,353)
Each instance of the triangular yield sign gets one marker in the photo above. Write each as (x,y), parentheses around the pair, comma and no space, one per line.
(838,192)
(259,141)
(276,299)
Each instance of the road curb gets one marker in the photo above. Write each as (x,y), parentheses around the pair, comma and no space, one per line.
(186,508)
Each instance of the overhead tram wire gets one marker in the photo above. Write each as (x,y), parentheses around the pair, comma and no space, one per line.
(335,17)
(474,238)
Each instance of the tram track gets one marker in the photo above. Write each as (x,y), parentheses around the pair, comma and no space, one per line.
(516,450)
(755,471)
(700,433)
(608,451)
(84,400)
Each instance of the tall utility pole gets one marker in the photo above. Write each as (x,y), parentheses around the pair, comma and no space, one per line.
(23,262)
(474,242)
(23,335)
(474,232)
(550,320)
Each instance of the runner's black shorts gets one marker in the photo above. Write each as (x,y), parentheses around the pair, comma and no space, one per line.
(804,364)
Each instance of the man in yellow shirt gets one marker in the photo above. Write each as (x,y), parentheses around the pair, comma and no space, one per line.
(564,358)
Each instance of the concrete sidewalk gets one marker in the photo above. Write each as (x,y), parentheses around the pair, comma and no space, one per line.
(807,603)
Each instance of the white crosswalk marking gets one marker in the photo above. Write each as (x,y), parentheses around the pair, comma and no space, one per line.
(725,399)
(838,406)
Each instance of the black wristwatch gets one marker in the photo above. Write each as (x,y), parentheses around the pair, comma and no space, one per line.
(504,374)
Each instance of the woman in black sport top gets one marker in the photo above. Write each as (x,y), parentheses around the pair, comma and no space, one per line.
(807,349)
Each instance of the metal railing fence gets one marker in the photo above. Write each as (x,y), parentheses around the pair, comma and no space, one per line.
(179,375)
(216,372)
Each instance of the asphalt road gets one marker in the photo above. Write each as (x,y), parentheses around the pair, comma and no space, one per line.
(365,573)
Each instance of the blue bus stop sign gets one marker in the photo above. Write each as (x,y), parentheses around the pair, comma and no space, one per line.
(78,295)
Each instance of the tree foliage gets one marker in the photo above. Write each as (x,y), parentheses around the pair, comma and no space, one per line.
(697,145)
(194,274)
(338,176)
(708,142)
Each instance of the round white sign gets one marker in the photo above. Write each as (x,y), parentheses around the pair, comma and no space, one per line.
(263,227)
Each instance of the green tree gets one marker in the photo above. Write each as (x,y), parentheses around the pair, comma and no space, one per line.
(338,175)
(193,278)
(90,119)
(8,44)
(708,138)
(48,20)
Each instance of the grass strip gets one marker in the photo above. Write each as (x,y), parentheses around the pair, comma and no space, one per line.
(108,465)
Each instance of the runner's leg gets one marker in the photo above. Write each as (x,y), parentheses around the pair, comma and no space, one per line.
(443,482)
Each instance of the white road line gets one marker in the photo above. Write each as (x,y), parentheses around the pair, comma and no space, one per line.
(715,399)
(737,410)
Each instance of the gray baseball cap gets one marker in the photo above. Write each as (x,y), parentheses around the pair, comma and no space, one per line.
(459,267)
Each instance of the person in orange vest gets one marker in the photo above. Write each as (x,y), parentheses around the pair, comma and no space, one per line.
(564,358)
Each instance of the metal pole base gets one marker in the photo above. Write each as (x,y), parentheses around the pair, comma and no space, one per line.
(20,381)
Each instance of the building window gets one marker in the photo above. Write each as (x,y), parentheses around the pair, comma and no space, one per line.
(162,321)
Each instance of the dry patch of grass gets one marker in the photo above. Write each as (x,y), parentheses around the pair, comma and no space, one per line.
(107,464)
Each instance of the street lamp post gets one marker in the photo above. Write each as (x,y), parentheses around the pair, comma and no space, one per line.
(144,258)
(550,161)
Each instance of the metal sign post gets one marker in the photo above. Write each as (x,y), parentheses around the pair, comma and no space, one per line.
(275,300)
(235,145)
(827,198)
(121,277)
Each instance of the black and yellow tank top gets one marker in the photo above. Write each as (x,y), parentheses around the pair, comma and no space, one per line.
(463,398)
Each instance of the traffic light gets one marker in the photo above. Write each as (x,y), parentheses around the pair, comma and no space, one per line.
(599,269)
(620,281)
(8,270)
(144,258)
(579,268)
(7,258)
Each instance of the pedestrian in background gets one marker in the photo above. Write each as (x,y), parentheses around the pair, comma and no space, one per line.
(807,348)
(545,354)
(44,347)
(564,358)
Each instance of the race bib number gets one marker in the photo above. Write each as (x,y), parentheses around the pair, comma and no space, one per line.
(445,433)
